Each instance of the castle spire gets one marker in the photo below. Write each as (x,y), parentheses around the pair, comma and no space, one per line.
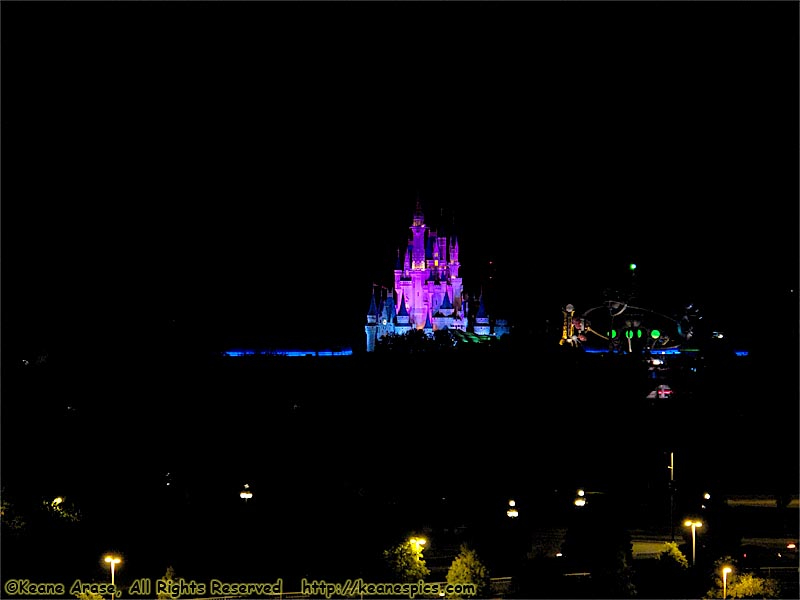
(373,307)
(419,216)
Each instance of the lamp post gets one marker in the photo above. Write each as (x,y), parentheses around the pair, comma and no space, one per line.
(671,468)
(725,571)
(246,493)
(416,544)
(112,560)
(694,525)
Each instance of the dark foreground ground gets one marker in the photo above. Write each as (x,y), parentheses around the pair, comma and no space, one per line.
(347,455)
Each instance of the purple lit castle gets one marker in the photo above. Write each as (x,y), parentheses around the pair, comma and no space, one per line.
(428,293)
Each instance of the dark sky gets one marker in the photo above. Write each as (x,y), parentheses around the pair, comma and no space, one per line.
(231,170)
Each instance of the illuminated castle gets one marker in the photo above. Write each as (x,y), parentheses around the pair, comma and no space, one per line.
(428,293)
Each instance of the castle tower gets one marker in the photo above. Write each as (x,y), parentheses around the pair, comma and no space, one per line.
(481,326)
(387,319)
(403,324)
(372,320)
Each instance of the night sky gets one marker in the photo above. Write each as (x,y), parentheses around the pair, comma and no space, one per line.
(224,173)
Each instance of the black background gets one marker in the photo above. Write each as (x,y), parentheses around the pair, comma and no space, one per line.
(246,171)
(192,176)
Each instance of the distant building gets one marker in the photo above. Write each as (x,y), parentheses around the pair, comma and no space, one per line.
(428,292)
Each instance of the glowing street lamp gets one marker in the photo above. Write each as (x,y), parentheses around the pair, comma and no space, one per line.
(694,525)
(112,560)
(512,511)
(416,546)
(246,493)
(417,543)
(725,571)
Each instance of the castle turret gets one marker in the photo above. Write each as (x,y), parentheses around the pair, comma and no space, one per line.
(481,326)
(403,321)
(428,329)
(387,319)
(446,307)
(372,320)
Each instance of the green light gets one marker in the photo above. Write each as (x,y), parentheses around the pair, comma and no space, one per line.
(629,334)
(638,333)
(613,333)
(655,334)
(632,266)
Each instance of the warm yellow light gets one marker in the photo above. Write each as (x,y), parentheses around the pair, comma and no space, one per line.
(113,559)
(513,513)
(581,493)
(725,571)
(58,500)
(512,503)
(707,496)
(418,541)
(246,494)
(580,501)
(690,523)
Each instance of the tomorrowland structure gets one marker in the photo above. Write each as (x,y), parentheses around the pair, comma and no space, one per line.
(428,293)
(618,326)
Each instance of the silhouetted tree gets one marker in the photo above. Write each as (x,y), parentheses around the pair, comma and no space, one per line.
(665,577)
(168,578)
(9,518)
(406,562)
(468,568)
(744,585)
(672,558)
(89,596)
